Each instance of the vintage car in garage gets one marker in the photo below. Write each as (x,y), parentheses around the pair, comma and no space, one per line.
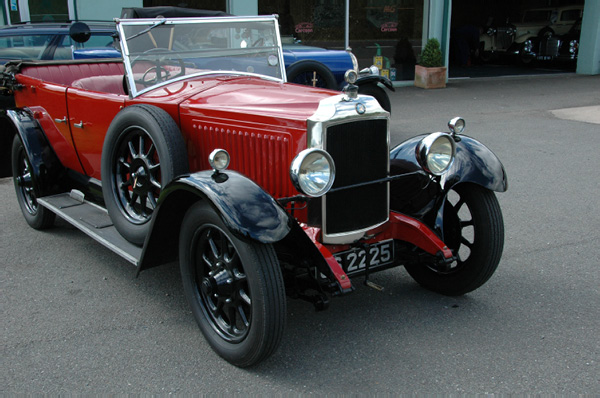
(511,38)
(553,47)
(194,148)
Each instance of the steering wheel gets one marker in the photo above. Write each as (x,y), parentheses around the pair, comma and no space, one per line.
(161,74)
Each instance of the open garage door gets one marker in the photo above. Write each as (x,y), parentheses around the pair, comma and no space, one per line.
(510,37)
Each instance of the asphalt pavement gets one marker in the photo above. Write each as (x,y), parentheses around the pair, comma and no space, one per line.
(75,319)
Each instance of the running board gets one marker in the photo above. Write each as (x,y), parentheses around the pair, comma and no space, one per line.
(92,220)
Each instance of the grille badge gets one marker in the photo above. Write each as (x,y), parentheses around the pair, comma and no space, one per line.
(360,108)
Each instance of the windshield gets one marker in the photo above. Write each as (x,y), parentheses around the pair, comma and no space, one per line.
(537,16)
(160,51)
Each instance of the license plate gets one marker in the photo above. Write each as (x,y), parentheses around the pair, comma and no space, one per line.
(544,57)
(375,255)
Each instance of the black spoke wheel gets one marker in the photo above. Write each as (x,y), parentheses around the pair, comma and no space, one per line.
(36,216)
(235,288)
(474,231)
(311,73)
(143,151)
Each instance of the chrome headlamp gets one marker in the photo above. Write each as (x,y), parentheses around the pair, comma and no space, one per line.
(573,45)
(435,153)
(219,159)
(457,125)
(312,172)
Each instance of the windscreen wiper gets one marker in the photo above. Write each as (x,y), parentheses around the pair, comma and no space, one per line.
(148,29)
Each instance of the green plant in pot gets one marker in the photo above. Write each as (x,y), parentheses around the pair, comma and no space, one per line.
(430,72)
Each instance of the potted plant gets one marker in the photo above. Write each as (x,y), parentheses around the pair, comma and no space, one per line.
(431,72)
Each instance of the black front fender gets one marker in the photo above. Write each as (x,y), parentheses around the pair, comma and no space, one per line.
(420,194)
(247,210)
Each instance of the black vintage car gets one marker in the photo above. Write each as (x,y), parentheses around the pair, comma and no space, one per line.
(551,47)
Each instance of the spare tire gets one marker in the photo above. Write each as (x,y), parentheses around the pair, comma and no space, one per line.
(311,73)
(143,151)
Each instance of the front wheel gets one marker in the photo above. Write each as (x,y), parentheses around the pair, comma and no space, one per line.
(474,231)
(235,288)
(525,55)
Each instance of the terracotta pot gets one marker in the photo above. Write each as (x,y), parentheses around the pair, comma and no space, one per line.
(430,77)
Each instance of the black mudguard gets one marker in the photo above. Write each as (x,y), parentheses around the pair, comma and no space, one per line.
(422,196)
(374,79)
(45,165)
(247,210)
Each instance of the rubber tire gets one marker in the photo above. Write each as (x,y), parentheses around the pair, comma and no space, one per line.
(378,93)
(488,243)
(525,59)
(169,144)
(485,56)
(295,71)
(37,216)
(264,281)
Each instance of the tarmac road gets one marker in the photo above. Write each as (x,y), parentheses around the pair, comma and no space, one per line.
(76,320)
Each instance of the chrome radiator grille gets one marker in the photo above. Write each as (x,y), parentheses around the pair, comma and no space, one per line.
(503,38)
(360,151)
(549,46)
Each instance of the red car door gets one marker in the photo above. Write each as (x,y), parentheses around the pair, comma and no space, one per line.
(90,114)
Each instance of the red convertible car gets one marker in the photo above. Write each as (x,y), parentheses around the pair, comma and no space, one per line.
(194,148)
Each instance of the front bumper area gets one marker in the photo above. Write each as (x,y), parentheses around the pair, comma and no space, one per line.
(405,232)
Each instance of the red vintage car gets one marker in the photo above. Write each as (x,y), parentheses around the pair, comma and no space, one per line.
(194,148)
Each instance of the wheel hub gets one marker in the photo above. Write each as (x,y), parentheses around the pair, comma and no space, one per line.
(220,283)
(141,181)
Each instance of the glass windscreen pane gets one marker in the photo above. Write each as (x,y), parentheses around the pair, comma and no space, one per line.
(160,51)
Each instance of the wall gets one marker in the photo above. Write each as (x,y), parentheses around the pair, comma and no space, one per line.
(85,10)
(588,62)
(88,10)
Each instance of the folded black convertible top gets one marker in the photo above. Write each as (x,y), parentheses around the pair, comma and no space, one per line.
(169,12)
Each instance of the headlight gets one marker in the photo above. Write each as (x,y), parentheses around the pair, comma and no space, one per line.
(313,172)
(457,125)
(491,31)
(436,152)
(218,159)
(573,45)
